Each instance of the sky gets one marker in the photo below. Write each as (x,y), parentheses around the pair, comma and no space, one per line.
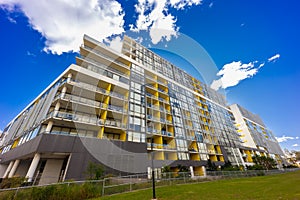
(247,49)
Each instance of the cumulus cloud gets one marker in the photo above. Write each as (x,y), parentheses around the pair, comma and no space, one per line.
(295,145)
(286,138)
(12,20)
(273,58)
(232,73)
(154,16)
(115,43)
(63,23)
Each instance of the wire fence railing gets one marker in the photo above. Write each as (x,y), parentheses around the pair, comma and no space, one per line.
(114,185)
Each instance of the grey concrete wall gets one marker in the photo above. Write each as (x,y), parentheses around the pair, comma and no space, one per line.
(51,171)
(25,150)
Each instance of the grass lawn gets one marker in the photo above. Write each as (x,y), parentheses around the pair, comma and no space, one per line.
(281,186)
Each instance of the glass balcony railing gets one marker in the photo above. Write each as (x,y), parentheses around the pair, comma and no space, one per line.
(90,102)
(153,131)
(107,57)
(99,65)
(83,118)
(166,133)
(161,90)
(151,86)
(105,70)
(97,89)
(78,99)
(160,146)
(151,95)
(152,118)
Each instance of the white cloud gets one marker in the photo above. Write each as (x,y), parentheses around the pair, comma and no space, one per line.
(12,20)
(30,54)
(261,65)
(211,4)
(154,16)
(232,73)
(63,23)
(116,43)
(297,138)
(274,58)
(163,28)
(285,138)
(181,4)
(295,145)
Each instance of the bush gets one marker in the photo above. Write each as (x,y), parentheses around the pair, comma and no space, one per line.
(94,171)
(55,192)
(12,182)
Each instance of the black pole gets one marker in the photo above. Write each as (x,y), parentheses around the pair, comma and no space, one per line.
(152,157)
(153,176)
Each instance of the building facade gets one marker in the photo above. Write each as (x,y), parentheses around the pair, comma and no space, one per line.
(125,110)
(256,138)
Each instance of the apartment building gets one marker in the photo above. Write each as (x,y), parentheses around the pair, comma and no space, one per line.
(125,110)
(255,137)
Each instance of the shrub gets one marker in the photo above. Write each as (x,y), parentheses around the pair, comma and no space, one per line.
(12,182)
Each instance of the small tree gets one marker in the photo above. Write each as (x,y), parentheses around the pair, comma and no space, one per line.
(182,168)
(265,162)
(94,171)
(166,169)
(211,166)
(229,167)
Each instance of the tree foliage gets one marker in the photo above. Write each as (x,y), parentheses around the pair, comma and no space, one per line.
(211,166)
(166,169)
(94,171)
(264,162)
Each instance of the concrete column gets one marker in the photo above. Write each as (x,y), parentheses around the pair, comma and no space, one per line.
(204,171)
(33,166)
(56,109)
(8,169)
(63,92)
(192,171)
(49,127)
(69,77)
(67,167)
(14,168)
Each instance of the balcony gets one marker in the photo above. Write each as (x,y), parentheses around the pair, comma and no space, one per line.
(166,133)
(97,89)
(150,117)
(106,57)
(116,108)
(153,131)
(93,120)
(105,70)
(74,117)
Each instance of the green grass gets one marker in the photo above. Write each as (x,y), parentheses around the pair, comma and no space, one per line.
(281,186)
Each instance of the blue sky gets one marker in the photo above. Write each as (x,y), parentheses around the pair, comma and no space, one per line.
(253,45)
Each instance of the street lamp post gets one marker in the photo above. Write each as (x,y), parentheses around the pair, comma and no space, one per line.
(152,143)
(153,172)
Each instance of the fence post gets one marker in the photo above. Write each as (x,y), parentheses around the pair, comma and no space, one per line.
(130,185)
(16,193)
(103,185)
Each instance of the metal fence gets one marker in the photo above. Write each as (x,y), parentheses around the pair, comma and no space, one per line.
(114,185)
